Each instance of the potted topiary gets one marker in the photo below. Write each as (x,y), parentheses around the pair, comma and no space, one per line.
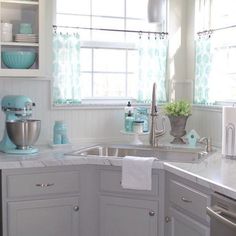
(178,113)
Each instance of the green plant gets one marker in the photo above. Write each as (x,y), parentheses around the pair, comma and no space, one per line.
(178,108)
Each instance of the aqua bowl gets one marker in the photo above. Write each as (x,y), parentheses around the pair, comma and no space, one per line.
(18,59)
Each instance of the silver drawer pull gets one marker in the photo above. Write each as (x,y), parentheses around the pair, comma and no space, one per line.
(44,185)
(185,200)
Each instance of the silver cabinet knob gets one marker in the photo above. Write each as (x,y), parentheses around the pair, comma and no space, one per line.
(76,208)
(151,213)
(167,219)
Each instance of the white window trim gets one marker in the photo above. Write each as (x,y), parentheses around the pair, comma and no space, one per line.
(100,103)
(108,45)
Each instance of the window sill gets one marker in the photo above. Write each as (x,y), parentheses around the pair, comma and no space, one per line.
(99,106)
(211,108)
(121,104)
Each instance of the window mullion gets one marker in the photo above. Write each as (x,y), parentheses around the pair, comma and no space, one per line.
(92,72)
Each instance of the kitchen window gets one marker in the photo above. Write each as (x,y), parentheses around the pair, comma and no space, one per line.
(215,71)
(111,68)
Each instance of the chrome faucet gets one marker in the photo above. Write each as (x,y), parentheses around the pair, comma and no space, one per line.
(154,132)
(207,142)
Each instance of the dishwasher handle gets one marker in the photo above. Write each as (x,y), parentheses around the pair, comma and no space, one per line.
(218,213)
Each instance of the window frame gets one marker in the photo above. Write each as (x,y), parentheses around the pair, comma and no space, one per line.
(207,25)
(99,102)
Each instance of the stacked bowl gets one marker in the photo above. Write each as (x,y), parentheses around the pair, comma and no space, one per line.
(18,59)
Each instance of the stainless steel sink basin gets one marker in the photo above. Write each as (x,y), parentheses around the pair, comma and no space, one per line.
(163,153)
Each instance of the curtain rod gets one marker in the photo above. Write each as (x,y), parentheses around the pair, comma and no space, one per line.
(217,29)
(114,30)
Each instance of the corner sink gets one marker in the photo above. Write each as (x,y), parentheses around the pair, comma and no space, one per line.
(162,153)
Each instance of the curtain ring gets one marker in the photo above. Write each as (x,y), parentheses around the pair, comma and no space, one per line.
(210,32)
(140,34)
(199,35)
(148,35)
(54,29)
(163,35)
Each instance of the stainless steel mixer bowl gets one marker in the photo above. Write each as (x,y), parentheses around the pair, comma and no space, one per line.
(23,133)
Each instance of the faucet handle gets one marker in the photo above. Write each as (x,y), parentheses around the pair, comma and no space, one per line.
(161,132)
(207,142)
(155,109)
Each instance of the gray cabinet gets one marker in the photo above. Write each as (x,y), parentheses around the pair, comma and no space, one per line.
(123,216)
(186,204)
(50,217)
(41,202)
(126,212)
(181,224)
(90,201)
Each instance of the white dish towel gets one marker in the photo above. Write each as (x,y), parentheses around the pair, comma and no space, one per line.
(137,172)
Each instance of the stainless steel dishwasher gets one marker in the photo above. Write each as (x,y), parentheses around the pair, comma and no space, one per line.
(223,216)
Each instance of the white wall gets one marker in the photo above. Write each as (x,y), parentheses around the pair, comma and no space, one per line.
(95,125)
(206,121)
(83,125)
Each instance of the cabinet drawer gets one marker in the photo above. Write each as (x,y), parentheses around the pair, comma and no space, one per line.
(110,181)
(189,199)
(26,185)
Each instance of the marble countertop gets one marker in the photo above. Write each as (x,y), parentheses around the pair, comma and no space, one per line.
(214,172)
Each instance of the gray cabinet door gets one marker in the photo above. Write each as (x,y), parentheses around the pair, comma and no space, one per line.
(52,217)
(182,225)
(128,217)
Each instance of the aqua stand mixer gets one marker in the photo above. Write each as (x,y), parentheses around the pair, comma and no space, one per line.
(20,131)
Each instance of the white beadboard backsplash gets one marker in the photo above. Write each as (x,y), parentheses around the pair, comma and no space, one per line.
(94,125)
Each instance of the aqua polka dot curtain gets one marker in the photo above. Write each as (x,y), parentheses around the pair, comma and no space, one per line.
(203,65)
(66,68)
(152,68)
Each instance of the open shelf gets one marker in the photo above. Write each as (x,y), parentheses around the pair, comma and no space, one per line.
(27,5)
(20,72)
(16,44)
(20,2)
(17,12)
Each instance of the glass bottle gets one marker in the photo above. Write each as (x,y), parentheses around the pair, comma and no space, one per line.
(138,126)
(129,122)
(142,115)
(128,109)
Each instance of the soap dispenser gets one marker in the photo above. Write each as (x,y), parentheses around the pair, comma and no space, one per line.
(128,109)
(129,119)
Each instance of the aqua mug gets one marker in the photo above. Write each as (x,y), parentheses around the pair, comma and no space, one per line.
(25,28)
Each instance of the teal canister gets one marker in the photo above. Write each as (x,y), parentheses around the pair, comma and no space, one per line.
(142,115)
(60,132)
